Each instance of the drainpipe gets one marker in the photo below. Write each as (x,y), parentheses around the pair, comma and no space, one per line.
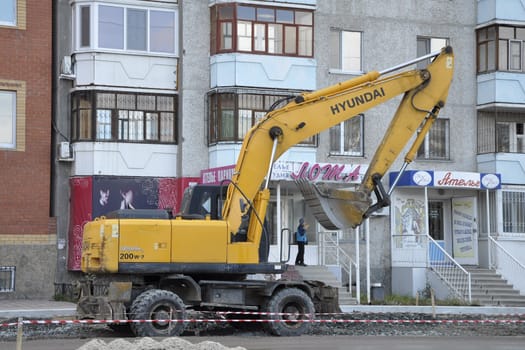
(180,139)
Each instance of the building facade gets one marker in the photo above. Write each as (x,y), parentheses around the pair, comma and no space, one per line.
(27,230)
(147,103)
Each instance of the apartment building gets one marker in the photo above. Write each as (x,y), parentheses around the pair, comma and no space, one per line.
(500,79)
(146,103)
(27,231)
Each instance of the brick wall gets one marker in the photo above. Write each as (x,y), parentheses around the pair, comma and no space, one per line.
(26,62)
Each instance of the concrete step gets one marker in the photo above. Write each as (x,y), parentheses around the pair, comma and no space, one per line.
(490,288)
(323,274)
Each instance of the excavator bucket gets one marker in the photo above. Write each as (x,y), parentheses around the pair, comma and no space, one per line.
(335,208)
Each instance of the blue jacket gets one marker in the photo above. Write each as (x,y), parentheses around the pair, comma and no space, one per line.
(300,235)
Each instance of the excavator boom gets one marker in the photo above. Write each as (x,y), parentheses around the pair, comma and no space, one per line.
(425,93)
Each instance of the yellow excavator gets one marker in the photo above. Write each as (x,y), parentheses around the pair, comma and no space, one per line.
(158,266)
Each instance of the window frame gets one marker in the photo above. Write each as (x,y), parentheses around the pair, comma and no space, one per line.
(501,57)
(13,5)
(12,97)
(425,152)
(227,104)
(152,33)
(432,44)
(19,109)
(90,115)
(342,137)
(513,206)
(231,15)
(337,34)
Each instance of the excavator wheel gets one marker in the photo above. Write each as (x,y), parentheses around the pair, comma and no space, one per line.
(157,307)
(289,312)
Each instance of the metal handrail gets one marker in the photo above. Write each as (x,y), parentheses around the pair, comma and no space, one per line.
(341,258)
(450,272)
(505,267)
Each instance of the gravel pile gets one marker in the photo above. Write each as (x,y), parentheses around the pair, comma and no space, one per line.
(173,343)
(356,323)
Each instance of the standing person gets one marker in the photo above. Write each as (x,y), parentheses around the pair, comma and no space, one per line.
(302,240)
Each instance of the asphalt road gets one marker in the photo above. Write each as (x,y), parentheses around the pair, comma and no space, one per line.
(315,342)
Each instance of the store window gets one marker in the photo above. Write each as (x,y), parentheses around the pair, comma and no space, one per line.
(232,114)
(346,138)
(500,47)
(261,30)
(123,117)
(437,142)
(126,28)
(346,47)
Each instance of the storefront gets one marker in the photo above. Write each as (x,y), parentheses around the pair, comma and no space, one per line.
(287,204)
(436,215)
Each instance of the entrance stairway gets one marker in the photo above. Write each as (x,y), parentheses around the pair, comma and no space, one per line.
(323,274)
(490,288)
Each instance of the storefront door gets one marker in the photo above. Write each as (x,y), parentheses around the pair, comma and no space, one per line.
(436,229)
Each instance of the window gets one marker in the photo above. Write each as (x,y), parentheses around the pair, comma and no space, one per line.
(124,117)
(122,28)
(8,12)
(346,138)
(85,26)
(261,30)
(232,114)
(428,45)
(500,48)
(7,279)
(8,119)
(509,137)
(436,143)
(12,114)
(513,211)
(111,27)
(346,50)
(501,131)
(13,13)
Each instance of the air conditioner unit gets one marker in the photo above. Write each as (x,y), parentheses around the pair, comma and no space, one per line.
(64,151)
(66,66)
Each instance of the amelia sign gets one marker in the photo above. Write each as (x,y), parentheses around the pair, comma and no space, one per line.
(290,171)
(451,179)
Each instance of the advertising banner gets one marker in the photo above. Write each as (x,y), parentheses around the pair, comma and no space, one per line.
(465,230)
(96,196)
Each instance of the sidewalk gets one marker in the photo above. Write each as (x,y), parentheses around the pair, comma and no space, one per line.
(49,309)
(36,309)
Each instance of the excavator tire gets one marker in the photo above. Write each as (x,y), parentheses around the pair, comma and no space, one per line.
(158,305)
(290,309)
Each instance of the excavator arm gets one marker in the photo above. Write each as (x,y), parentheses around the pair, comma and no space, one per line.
(425,93)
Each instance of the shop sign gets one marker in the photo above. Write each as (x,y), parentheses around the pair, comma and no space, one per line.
(217,175)
(290,171)
(451,179)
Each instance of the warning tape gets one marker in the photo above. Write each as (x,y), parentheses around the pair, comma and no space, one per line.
(305,320)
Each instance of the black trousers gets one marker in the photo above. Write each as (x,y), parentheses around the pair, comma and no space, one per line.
(300,253)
